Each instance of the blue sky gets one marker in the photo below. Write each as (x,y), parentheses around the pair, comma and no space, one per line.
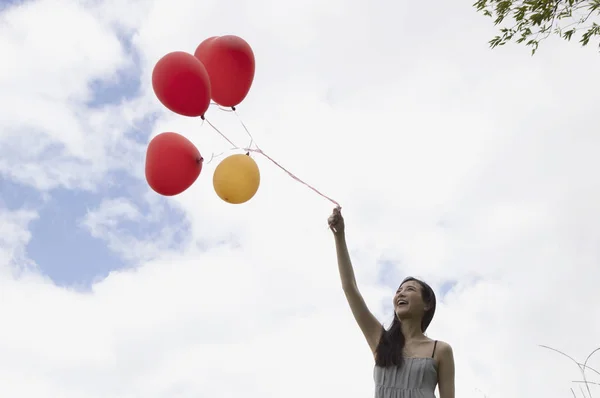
(127,83)
(61,247)
(8,3)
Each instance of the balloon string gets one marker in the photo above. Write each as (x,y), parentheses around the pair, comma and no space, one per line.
(259,151)
(222,135)
(220,107)
(247,131)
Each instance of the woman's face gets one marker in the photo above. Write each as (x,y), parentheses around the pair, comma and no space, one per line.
(408,300)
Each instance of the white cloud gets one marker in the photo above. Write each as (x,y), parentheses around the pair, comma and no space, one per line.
(456,162)
(14,236)
(51,56)
(110,222)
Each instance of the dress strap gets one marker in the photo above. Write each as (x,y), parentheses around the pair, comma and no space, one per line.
(434,345)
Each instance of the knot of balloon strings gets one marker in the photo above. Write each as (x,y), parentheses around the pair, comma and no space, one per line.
(259,151)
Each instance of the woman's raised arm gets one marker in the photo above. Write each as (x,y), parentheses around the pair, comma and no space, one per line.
(367,322)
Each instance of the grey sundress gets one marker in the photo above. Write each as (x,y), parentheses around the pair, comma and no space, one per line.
(417,378)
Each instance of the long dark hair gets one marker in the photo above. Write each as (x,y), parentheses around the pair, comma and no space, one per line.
(391,344)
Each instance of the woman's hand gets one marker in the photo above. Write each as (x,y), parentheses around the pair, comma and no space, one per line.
(336,222)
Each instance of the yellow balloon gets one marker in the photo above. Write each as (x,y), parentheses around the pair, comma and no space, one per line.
(236,179)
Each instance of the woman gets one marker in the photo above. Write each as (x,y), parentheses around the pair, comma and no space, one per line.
(407,363)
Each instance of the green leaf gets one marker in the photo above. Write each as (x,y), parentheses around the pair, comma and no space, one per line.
(568,34)
(536,19)
(520,20)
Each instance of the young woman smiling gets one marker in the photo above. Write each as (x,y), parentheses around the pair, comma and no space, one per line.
(408,364)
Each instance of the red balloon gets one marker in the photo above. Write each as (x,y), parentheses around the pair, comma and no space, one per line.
(202,49)
(173,164)
(229,61)
(181,84)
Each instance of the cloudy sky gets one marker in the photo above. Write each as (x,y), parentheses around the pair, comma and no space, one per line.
(471,168)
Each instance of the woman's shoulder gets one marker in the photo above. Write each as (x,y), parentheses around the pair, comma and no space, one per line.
(441,343)
(438,343)
(441,346)
(443,351)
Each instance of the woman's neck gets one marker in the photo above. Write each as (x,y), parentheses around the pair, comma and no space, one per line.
(411,329)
